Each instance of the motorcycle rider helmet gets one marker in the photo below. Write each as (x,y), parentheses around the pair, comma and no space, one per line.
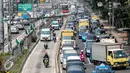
(81,50)
(46,53)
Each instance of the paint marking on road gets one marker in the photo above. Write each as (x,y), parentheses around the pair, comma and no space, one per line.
(88,61)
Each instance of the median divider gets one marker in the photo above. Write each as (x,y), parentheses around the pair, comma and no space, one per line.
(57,55)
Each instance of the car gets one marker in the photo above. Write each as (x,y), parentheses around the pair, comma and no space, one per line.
(83,36)
(75,63)
(25,22)
(75,69)
(45,34)
(66,54)
(17,18)
(78,17)
(69,42)
(55,25)
(14,29)
(20,26)
(71,18)
(63,49)
(13,22)
(83,31)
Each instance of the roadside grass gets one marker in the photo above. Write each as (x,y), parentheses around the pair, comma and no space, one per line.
(18,63)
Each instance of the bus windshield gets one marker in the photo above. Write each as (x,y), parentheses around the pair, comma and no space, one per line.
(64,7)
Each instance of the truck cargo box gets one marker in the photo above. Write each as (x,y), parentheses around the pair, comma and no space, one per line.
(99,50)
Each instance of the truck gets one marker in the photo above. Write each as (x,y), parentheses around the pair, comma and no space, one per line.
(103,69)
(110,54)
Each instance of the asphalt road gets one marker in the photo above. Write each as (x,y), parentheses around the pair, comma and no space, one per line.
(34,63)
(89,65)
(81,45)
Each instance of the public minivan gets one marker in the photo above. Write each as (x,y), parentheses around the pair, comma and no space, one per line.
(45,34)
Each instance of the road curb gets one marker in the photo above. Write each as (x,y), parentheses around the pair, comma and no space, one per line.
(31,49)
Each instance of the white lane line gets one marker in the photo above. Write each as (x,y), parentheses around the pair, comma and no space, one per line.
(87,57)
(88,61)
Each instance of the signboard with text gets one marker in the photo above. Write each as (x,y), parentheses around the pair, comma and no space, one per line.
(24,7)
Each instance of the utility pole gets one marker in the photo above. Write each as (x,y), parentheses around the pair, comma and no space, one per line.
(9,29)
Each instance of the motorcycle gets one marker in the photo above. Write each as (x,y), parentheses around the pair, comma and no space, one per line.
(54,39)
(46,46)
(46,62)
(82,58)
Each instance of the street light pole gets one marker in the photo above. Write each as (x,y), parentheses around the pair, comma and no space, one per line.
(9,29)
(1,27)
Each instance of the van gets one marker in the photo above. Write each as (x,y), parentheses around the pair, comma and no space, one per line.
(73,9)
(45,34)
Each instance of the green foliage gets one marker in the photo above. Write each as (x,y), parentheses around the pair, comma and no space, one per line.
(17,65)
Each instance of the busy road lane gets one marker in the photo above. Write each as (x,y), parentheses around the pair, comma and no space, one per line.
(34,63)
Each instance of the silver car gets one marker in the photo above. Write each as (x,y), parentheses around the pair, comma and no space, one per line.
(14,29)
(20,26)
(25,22)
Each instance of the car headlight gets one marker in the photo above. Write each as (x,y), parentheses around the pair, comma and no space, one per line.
(115,63)
(64,61)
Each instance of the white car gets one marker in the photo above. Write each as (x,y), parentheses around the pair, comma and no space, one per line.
(20,26)
(17,18)
(55,25)
(25,22)
(14,29)
(73,58)
(66,54)
(63,49)
(45,34)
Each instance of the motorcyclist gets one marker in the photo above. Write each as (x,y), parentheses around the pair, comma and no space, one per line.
(46,45)
(46,56)
(82,56)
(53,29)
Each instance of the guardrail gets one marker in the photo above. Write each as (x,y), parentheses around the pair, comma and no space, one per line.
(57,56)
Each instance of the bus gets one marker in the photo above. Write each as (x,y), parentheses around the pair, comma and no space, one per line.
(65,8)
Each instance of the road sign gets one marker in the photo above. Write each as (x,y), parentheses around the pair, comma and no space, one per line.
(24,7)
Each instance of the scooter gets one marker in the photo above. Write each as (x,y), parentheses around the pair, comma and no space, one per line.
(54,39)
(46,46)
(46,62)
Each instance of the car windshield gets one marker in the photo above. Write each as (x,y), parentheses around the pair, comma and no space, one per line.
(120,54)
(65,55)
(45,32)
(67,38)
(65,7)
(54,23)
(99,31)
(68,42)
(83,28)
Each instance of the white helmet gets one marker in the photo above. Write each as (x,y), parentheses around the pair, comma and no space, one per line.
(81,50)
